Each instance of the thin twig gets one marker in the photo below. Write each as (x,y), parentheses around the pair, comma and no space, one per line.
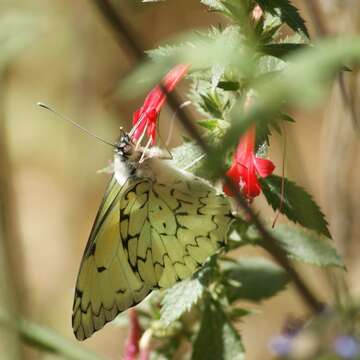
(123,33)
(125,36)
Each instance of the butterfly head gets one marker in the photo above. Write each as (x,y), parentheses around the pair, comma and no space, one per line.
(126,149)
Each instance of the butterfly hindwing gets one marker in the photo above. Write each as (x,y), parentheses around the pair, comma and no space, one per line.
(191,222)
(175,227)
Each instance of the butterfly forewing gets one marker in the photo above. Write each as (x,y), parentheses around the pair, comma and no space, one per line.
(106,283)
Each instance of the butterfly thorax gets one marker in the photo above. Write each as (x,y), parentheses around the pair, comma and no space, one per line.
(130,160)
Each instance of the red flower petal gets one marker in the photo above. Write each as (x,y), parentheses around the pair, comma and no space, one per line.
(263,167)
(150,111)
(132,343)
(246,166)
(245,149)
(234,174)
(249,185)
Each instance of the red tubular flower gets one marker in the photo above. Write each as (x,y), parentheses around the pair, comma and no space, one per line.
(132,343)
(246,167)
(145,118)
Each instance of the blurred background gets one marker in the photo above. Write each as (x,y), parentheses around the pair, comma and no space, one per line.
(64,53)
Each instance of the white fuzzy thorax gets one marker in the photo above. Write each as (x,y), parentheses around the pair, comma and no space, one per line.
(121,170)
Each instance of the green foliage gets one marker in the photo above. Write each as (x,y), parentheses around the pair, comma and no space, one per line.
(217,339)
(202,51)
(213,4)
(212,104)
(229,85)
(287,13)
(296,204)
(190,157)
(312,69)
(306,246)
(281,50)
(254,279)
(229,63)
(179,299)
(209,124)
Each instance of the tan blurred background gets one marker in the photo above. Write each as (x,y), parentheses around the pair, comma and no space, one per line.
(63,53)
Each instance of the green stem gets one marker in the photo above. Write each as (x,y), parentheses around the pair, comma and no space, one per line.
(11,261)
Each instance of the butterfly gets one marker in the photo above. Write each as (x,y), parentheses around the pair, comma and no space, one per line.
(156,226)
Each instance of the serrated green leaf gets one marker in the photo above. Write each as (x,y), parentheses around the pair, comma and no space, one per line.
(217,339)
(202,51)
(297,204)
(287,12)
(211,104)
(307,247)
(179,299)
(259,279)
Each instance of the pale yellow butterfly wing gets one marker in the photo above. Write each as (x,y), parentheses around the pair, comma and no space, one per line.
(106,284)
(147,235)
(185,223)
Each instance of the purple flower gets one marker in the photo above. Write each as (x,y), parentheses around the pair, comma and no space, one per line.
(281,345)
(347,347)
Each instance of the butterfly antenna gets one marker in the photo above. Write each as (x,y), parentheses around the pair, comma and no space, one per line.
(47,107)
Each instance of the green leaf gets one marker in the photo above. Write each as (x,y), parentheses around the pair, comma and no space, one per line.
(202,51)
(229,85)
(212,105)
(209,124)
(189,156)
(297,204)
(45,339)
(217,339)
(312,69)
(213,4)
(179,299)
(259,279)
(306,246)
(287,118)
(281,50)
(237,314)
(162,51)
(287,12)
